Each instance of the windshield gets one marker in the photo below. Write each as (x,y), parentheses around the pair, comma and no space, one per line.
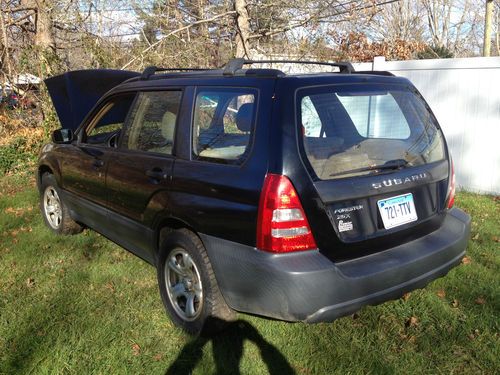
(358,129)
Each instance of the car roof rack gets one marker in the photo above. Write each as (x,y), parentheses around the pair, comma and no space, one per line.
(234,65)
(376,72)
(151,70)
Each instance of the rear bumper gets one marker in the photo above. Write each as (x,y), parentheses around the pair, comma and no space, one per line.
(307,286)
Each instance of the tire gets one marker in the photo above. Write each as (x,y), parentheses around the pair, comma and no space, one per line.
(197,307)
(54,212)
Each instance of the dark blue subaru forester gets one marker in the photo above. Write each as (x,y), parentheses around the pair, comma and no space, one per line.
(297,197)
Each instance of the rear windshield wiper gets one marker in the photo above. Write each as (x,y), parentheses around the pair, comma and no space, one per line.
(388,165)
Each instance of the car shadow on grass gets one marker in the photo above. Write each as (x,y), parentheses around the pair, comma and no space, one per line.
(227,347)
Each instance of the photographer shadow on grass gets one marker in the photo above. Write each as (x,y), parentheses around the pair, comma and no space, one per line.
(227,347)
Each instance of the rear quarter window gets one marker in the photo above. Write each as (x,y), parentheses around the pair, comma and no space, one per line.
(223,124)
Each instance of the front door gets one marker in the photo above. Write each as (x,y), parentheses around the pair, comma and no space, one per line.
(84,164)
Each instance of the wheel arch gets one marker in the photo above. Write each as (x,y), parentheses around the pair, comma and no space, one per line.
(48,164)
(167,225)
(42,169)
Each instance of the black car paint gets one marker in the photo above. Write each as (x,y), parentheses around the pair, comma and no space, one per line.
(110,190)
(214,198)
(324,196)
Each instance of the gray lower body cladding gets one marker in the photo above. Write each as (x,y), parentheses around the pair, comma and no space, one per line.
(307,286)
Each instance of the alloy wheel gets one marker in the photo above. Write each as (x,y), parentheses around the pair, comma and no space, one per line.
(52,207)
(183,282)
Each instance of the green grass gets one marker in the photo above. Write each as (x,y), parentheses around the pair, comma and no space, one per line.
(81,305)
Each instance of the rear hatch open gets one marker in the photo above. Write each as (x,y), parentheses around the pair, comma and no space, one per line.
(378,162)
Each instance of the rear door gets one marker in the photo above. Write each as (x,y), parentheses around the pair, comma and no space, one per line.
(140,170)
(378,163)
(220,168)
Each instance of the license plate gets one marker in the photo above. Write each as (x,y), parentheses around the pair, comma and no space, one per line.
(397,211)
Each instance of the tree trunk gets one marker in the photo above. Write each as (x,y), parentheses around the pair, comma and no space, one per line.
(44,37)
(243,26)
(4,50)
(487,28)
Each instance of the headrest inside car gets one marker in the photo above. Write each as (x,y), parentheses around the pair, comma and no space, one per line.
(244,117)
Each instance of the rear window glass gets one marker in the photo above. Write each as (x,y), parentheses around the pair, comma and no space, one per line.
(376,116)
(351,130)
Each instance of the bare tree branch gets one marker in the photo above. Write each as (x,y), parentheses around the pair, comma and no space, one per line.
(22,18)
(159,42)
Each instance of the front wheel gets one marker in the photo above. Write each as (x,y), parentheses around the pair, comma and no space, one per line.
(54,211)
(188,286)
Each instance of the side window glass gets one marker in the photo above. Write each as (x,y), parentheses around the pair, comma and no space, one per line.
(223,124)
(152,122)
(231,114)
(106,127)
(206,105)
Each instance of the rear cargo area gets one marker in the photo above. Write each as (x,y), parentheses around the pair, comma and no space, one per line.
(378,162)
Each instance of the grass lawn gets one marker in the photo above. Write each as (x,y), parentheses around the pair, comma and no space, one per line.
(81,305)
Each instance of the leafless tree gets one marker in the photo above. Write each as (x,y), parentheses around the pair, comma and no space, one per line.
(454,24)
(402,20)
(68,34)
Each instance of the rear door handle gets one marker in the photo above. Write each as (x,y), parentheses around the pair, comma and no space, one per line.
(156,174)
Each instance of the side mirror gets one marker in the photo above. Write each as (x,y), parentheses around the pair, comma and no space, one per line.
(63,136)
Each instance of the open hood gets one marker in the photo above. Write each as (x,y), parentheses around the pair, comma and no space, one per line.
(75,93)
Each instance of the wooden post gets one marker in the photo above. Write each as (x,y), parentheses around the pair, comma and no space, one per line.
(487,28)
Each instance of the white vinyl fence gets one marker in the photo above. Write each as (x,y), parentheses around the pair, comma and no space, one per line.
(464,94)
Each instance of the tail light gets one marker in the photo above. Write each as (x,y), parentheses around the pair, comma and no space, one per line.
(451,187)
(282,225)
